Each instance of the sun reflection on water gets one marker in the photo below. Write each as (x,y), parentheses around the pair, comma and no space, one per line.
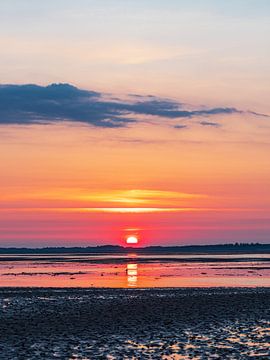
(132,274)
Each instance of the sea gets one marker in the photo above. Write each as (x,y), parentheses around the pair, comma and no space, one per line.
(135,270)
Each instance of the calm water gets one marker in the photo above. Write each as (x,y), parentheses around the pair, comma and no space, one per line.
(131,271)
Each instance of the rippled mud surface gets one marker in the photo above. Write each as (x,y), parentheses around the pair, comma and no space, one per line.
(135,324)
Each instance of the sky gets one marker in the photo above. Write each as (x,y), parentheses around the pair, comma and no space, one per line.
(145,118)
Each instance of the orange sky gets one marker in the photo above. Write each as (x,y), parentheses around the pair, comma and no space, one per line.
(195,185)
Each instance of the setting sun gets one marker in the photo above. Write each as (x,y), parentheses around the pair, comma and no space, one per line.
(132,240)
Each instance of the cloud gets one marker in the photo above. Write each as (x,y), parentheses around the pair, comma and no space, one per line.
(180,126)
(258,114)
(209,123)
(31,104)
(34,104)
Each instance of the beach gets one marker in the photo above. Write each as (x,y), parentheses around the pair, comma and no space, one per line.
(186,323)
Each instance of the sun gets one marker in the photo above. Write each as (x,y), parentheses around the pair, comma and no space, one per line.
(132,240)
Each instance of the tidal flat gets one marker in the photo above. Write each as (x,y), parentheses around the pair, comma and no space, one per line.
(186,323)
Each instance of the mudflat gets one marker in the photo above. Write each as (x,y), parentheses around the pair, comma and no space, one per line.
(185,323)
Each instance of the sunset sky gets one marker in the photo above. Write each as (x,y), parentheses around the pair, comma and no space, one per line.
(134,118)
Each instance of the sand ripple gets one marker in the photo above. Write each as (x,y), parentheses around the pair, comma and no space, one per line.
(135,324)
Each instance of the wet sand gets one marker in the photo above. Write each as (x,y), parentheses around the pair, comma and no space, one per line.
(211,323)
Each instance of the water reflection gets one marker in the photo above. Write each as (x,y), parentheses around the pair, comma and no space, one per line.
(132,275)
(135,271)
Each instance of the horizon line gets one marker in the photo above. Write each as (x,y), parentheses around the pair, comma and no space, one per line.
(235,244)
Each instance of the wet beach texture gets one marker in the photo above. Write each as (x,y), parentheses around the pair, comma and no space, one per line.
(211,323)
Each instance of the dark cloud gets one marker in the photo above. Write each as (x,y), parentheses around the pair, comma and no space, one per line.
(28,104)
(209,123)
(180,126)
(33,104)
(171,109)
(258,114)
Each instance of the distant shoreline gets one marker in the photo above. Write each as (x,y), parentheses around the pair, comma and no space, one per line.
(242,248)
